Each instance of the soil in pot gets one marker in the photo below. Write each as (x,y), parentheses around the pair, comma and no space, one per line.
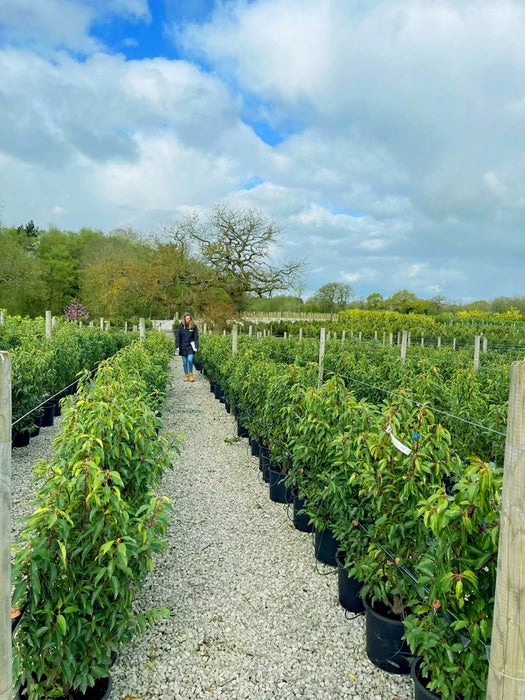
(384,644)
(348,587)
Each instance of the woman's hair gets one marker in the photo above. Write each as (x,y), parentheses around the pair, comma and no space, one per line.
(190,323)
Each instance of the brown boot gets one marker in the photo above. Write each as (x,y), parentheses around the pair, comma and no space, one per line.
(190,375)
(186,377)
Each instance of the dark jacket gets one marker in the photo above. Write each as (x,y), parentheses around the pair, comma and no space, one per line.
(184,338)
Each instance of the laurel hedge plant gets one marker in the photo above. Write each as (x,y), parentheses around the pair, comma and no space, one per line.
(450,628)
(97,523)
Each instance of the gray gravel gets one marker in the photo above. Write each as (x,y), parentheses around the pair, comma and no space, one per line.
(252,614)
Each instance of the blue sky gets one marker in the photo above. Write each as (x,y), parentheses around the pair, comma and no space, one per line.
(386,139)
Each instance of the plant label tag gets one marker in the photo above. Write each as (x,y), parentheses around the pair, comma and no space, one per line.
(405,449)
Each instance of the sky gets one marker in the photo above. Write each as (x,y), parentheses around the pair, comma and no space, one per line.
(385,138)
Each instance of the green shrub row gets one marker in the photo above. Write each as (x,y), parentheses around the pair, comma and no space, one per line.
(416,518)
(85,550)
(442,379)
(42,367)
(372,324)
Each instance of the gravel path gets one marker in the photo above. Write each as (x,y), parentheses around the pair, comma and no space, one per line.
(252,615)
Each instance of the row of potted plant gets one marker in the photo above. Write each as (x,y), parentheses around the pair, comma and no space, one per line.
(416,524)
(86,548)
(43,367)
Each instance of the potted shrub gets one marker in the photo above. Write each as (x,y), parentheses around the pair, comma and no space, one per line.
(407,456)
(90,541)
(449,630)
(323,413)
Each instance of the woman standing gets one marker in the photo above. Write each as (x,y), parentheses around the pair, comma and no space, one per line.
(187,343)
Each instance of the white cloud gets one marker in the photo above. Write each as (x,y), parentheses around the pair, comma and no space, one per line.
(402,159)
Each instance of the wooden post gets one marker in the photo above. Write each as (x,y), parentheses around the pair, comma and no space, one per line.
(360,335)
(375,335)
(404,343)
(422,339)
(234,338)
(391,338)
(343,336)
(485,343)
(142,328)
(6,680)
(125,326)
(476,351)
(48,324)
(384,337)
(454,344)
(101,321)
(322,339)
(300,334)
(506,679)
(250,331)
(1,318)
(439,341)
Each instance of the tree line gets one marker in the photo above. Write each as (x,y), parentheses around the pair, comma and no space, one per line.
(217,266)
(213,265)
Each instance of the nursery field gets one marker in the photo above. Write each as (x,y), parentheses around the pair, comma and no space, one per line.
(400,460)
(389,452)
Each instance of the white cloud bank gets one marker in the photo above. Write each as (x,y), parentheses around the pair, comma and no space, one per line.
(401,162)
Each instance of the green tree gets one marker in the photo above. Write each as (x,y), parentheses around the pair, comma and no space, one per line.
(56,253)
(21,286)
(28,236)
(405,302)
(236,245)
(375,301)
(334,296)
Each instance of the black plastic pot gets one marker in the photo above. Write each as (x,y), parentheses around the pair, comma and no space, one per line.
(48,416)
(300,516)
(264,461)
(21,437)
(384,644)
(242,431)
(254,446)
(421,692)
(326,547)
(348,587)
(279,492)
(263,454)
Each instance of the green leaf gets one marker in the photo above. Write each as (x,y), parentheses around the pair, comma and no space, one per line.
(61,624)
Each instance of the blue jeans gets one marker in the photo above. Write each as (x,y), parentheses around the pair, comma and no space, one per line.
(187,363)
